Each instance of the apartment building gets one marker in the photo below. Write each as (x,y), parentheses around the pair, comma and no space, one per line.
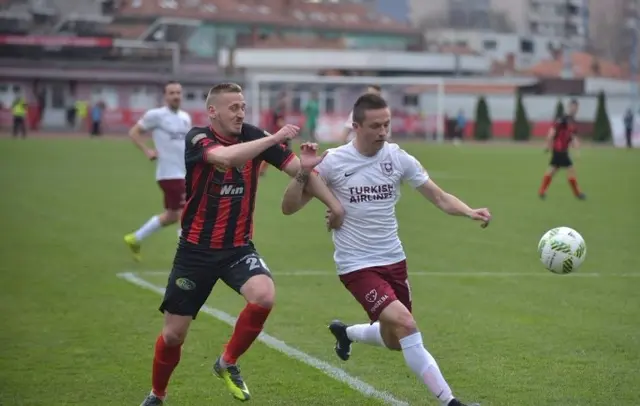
(613,28)
(529,29)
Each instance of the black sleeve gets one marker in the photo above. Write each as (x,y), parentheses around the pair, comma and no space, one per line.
(277,155)
(197,143)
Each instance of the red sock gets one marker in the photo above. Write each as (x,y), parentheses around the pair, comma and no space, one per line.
(248,327)
(574,186)
(165,361)
(546,181)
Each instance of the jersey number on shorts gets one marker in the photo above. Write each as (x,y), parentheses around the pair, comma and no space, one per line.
(255,263)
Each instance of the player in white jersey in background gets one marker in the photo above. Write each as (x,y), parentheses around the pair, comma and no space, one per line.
(347,131)
(168,126)
(365,175)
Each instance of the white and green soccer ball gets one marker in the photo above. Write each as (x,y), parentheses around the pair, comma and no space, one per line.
(562,250)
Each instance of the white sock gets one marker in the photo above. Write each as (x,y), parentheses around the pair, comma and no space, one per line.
(366,333)
(425,367)
(148,228)
(159,397)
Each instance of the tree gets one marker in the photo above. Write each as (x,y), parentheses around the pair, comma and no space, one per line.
(482,126)
(521,125)
(602,125)
(559,109)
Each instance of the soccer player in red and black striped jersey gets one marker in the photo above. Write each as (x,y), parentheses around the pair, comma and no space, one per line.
(561,137)
(222,170)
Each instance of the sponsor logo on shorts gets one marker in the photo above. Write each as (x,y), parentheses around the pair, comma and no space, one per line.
(185,284)
(371,296)
(379,303)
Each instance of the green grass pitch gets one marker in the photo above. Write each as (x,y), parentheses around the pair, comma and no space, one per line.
(505,331)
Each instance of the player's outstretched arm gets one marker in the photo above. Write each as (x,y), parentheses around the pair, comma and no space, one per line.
(295,197)
(135,134)
(450,204)
(238,154)
(306,183)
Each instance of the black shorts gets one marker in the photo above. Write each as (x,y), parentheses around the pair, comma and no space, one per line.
(196,270)
(560,160)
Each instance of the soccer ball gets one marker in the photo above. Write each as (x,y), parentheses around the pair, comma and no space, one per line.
(562,250)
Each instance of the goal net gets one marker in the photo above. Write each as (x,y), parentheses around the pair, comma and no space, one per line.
(417,103)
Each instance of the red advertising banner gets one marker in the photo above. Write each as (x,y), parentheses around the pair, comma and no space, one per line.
(329,126)
(56,41)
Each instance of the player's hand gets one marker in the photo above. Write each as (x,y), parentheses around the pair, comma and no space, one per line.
(333,219)
(286,133)
(309,158)
(151,154)
(483,215)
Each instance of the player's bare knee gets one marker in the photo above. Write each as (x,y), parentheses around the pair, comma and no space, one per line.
(175,329)
(173,337)
(405,326)
(398,321)
(259,290)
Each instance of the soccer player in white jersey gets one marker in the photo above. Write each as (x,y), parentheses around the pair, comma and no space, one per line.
(168,126)
(365,175)
(347,131)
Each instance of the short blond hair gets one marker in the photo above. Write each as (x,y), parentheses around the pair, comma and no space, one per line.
(220,89)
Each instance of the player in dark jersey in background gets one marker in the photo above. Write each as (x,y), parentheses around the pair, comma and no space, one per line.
(222,165)
(561,136)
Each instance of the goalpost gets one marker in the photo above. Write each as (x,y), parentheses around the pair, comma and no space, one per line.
(417,103)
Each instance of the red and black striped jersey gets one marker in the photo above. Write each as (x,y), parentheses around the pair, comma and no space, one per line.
(565,128)
(220,201)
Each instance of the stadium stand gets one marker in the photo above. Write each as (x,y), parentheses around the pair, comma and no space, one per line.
(133,33)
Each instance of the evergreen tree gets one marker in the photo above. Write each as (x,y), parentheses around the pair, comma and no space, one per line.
(602,125)
(559,109)
(482,127)
(521,125)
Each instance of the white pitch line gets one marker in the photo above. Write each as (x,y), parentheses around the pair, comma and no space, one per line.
(279,345)
(542,273)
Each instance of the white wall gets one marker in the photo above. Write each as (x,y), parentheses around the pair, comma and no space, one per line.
(539,108)
(319,59)
(505,44)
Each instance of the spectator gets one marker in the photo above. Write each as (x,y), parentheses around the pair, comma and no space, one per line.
(628,127)
(311,112)
(461,125)
(19,112)
(96,118)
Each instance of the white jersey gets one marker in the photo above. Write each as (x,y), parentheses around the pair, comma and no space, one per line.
(369,188)
(349,124)
(168,129)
